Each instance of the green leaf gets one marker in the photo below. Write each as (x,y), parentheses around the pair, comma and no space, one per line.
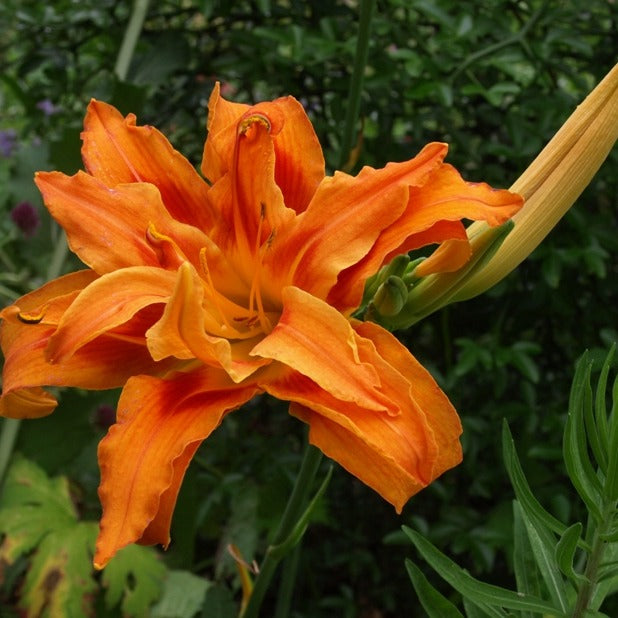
(565,552)
(574,446)
(610,488)
(527,574)
(482,610)
(59,580)
(183,595)
(133,579)
(473,589)
(531,506)
(219,603)
(32,506)
(36,513)
(543,544)
(601,410)
(436,605)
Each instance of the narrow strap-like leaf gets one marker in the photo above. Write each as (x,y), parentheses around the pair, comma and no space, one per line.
(610,489)
(527,574)
(575,447)
(543,545)
(435,603)
(526,498)
(565,552)
(475,590)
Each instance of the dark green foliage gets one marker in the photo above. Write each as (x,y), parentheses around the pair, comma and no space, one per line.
(495,79)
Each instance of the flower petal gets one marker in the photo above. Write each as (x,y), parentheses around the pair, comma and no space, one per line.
(299,162)
(105,304)
(116,151)
(223,117)
(345,217)
(433,214)
(182,331)
(250,203)
(317,341)
(145,454)
(395,455)
(108,228)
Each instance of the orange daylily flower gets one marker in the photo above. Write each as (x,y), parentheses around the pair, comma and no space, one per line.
(200,294)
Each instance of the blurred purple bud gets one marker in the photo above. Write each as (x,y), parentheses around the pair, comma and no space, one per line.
(8,142)
(47,107)
(104,416)
(26,218)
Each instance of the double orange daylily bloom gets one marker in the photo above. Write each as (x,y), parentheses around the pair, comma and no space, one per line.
(200,294)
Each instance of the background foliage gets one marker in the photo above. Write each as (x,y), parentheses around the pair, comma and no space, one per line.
(494,78)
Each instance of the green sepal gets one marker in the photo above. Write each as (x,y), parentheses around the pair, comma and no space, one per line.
(565,552)
(435,603)
(474,589)
(575,447)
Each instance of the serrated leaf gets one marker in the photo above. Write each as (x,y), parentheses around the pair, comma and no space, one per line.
(219,603)
(133,579)
(59,581)
(31,506)
(574,446)
(565,552)
(183,595)
(436,604)
(474,589)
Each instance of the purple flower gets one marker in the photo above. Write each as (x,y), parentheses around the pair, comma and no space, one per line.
(8,142)
(47,107)
(26,218)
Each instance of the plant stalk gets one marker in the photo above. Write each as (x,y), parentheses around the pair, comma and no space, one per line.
(293,511)
(356,82)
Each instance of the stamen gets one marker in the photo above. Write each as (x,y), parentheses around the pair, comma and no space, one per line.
(255,291)
(168,252)
(214,295)
(32,318)
(244,124)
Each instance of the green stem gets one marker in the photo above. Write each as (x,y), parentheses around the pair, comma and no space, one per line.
(356,82)
(131,35)
(293,511)
(10,429)
(584,594)
(490,50)
(289,569)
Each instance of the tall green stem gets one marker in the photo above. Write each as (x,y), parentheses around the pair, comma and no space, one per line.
(584,594)
(356,82)
(293,512)
(131,35)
